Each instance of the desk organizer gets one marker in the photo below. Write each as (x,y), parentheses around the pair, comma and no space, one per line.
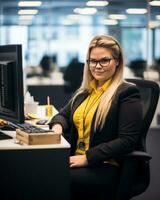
(38,138)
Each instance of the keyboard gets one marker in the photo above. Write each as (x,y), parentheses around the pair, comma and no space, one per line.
(29,128)
(4,136)
(8,127)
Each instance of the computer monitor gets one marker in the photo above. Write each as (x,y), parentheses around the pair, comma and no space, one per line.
(11,84)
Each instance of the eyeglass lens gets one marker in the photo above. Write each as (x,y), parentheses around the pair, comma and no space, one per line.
(104,62)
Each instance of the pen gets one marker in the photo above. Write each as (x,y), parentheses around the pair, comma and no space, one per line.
(49,109)
(48,100)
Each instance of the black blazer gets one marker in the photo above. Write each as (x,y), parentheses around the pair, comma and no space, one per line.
(120,133)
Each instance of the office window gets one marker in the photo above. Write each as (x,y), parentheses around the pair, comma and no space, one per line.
(134,42)
(64,41)
(68,41)
(157,43)
(15,35)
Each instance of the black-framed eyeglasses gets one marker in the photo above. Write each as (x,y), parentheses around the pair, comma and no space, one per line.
(104,62)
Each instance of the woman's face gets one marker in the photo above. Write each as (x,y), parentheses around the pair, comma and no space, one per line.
(102,64)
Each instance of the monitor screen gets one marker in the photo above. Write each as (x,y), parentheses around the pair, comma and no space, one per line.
(11,84)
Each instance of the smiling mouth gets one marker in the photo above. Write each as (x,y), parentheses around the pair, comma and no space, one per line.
(99,70)
(99,73)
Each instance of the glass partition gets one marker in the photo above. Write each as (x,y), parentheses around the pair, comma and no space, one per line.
(62,32)
(153,70)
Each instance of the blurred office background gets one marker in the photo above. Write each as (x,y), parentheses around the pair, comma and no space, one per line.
(55,34)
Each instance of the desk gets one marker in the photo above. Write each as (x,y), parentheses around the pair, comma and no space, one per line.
(34,172)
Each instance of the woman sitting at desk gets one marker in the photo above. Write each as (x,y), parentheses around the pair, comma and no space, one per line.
(101,122)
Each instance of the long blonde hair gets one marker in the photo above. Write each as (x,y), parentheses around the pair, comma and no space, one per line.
(112,44)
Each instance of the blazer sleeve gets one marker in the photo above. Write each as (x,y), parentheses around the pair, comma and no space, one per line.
(63,117)
(129,128)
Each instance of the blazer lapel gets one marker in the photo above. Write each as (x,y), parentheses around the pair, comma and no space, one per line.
(78,101)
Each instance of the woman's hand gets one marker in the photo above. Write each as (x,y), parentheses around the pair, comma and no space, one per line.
(78,161)
(57,128)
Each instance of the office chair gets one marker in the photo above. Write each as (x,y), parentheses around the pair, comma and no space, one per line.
(135,174)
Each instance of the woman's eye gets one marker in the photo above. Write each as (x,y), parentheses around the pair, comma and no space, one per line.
(93,61)
(105,61)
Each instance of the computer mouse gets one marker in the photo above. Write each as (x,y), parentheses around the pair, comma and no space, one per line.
(42,122)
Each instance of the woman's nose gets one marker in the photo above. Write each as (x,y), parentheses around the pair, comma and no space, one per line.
(98,65)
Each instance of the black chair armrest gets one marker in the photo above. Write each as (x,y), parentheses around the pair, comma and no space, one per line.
(128,185)
(138,155)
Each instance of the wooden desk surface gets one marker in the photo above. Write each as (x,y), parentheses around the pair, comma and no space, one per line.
(12,144)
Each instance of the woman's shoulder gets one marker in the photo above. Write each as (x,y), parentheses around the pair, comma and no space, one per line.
(128,88)
(78,96)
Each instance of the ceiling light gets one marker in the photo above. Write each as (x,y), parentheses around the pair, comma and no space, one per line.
(158,17)
(97,3)
(26,17)
(154,3)
(25,22)
(74,17)
(117,16)
(29,3)
(136,11)
(85,11)
(110,22)
(154,24)
(67,22)
(27,12)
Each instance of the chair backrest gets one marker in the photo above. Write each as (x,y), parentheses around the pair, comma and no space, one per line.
(149,91)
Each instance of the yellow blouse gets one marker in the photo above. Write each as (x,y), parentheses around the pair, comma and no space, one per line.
(84,114)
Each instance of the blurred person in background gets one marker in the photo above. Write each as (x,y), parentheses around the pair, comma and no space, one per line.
(45,65)
(73,75)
